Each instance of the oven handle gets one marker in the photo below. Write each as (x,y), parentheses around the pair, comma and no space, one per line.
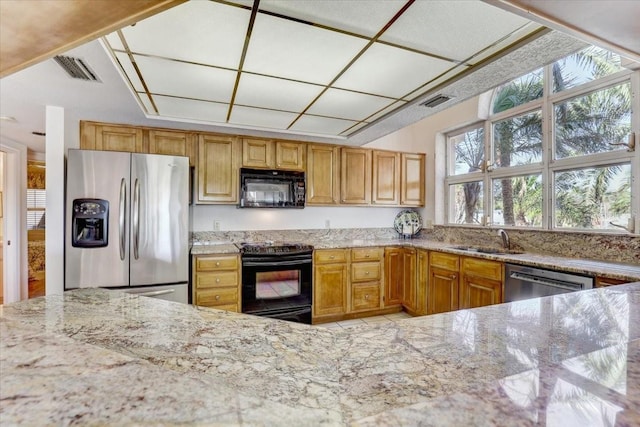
(275,263)
(287,313)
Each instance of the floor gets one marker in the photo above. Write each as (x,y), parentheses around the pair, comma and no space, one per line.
(374,320)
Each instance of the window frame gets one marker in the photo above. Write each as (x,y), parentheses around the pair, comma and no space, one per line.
(549,165)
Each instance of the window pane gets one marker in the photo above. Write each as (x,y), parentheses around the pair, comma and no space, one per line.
(517,92)
(594,123)
(466,203)
(35,220)
(593,198)
(587,65)
(468,151)
(36,199)
(518,201)
(518,140)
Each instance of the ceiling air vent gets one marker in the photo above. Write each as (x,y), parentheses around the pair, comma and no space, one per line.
(76,68)
(436,100)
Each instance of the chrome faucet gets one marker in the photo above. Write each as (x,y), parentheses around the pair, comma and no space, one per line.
(505,239)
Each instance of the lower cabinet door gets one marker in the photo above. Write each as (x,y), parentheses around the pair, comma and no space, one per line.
(330,289)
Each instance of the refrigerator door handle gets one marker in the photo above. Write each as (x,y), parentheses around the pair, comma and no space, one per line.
(121,216)
(136,218)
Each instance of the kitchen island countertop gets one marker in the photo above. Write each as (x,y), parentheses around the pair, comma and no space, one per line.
(93,356)
(604,269)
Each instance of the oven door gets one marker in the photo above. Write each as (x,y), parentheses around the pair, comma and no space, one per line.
(275,284)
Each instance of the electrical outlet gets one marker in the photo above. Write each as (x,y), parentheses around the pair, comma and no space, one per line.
(216,225)
(327,223)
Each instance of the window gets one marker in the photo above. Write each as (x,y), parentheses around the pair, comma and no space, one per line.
(36,204)
(555,152)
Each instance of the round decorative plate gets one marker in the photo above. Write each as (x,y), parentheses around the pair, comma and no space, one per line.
(408,222)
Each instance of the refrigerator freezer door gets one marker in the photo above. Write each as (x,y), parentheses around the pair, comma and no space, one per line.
(159,246)
(98,175)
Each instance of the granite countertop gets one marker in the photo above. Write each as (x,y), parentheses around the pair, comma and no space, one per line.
(611,270)
(93,356)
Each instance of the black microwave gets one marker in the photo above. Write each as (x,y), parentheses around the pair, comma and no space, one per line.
(261,188)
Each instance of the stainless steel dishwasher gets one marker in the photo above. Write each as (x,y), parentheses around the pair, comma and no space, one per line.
(524,282)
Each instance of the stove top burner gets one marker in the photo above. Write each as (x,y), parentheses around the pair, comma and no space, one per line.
(274,248)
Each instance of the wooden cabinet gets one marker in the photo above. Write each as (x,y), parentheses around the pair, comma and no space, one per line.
(366,279)
(257,153)
(409,279)
(216,281)
(412,181)
(481,282)
(106,137)
(218,163)
(269,154)
(386,178)
(355,176)
(601,282)
(330,282)
(393,270)
(323,174)
(444,282)
(173,143)
(290,155)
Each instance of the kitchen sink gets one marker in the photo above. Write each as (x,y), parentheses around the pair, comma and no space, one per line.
(487,250)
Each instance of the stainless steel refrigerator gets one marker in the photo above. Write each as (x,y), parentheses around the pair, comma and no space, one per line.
(127,223)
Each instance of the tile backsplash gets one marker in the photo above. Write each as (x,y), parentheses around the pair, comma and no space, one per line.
(603,247)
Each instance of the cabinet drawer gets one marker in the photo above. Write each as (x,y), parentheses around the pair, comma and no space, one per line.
(216,263)
(217,297)
(325,256)
(444,260)
(482,268)
(366,254)
(217,280)
(365,271)
(365,297)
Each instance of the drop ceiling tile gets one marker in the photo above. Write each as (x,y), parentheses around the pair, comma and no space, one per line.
(365,17)
(114,41)
(191,109)
(186,80)
(261,118)
(128,69)
(428,88)
(384,111)
(354,129)
(347,105)
(321,125)
(276,94)
(203,32)
(389,71)
(288,49)
(146,102)
(453,29)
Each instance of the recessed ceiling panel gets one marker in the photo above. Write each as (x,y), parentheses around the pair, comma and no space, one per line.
(365,17)
(453,29)
(276,94)
(191,109)
(186,80)
(321,125)
(348,105)
(257,117)
(384,111)
(284,48)
(146,102)
(389,71)
(114,41)
(128,69)
(203,32)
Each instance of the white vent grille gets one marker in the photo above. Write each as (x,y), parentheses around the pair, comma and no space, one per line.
(435,101)
(76,68)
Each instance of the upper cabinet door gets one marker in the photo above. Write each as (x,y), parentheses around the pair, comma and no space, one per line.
(218,163)
(323,174)
(257,153)
(412,180)
(386,178)
(355,176)
(173,143)
(290,155)
(95,136)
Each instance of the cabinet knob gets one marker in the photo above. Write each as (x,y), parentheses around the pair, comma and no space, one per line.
(366,273)
(332,257)
(366,296)
(218,280)
(218,264)
(367,256)
(217,297)
(453,276)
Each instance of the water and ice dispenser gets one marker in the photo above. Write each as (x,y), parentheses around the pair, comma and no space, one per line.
(90,219)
